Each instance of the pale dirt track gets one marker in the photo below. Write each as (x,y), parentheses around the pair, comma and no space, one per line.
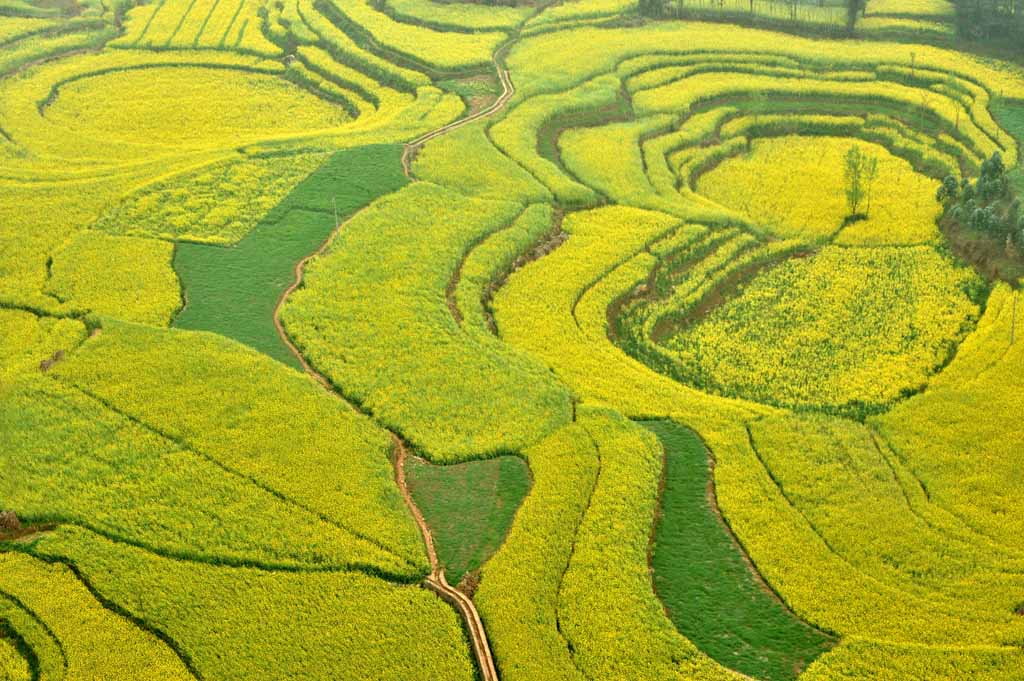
(436,581)
(507,90)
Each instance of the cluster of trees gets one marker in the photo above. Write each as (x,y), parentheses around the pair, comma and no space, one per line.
(1001,20)
(659,9)
(985,204)
(992,19)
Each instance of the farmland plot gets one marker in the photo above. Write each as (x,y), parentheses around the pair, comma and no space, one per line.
(278,323)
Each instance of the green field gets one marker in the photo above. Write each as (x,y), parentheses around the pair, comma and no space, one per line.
(705,580)
(470,507)
(234,290)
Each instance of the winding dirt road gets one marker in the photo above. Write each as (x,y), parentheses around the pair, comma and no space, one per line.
(507,90)
(436,581)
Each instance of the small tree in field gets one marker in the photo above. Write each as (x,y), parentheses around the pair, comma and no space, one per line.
(870,175)
(860,172)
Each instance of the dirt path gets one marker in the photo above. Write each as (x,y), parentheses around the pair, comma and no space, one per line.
(507,90)
(436,581)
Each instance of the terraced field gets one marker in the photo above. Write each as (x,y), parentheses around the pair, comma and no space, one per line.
(437,340)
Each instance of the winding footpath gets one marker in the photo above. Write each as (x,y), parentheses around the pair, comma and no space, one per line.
(507,90)
(436,581)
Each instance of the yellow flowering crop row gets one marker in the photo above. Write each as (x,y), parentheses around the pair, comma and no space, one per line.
(491,175)
(29,340)
(282,432)
(958,438)
(347,51)
(516,135)
(660,77)
(848,327)
(89,107)
(817,582)
(71,460)
(465,15)
(518,596)
(483,398)
(185,24)
(679,242)
(899,28)
(37,47)
(13,28)
(12,665)
(682,95)
(542,67)
(360,84)
(274,625)
(534,312)
(608,158)
(615,160)
(121,277)
(649,323)
(608,612)
(793,187)
(493,257)
(864,659)
(579,10)
(426,45)
(726,252)
(217,203)
(569,595)
(657,150)
(94,642)
(631,68)
(850,488)
(930,156)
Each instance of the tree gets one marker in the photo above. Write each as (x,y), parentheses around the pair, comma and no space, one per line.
(870,175)
(853,8)
(653,8)
(949,190)
(860,172)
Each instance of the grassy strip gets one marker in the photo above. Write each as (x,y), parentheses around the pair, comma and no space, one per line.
(709,590)
(233,291)
(1010,116)
(469,507)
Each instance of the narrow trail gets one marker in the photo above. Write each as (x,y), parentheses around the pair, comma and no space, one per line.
(507,90)
(436,581)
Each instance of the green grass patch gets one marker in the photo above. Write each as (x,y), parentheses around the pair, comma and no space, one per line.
(469,507)
(233,290)
(709,591)
(473,86)
(1009,114)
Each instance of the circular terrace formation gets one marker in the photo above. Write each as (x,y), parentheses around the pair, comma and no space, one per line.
(777,288)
